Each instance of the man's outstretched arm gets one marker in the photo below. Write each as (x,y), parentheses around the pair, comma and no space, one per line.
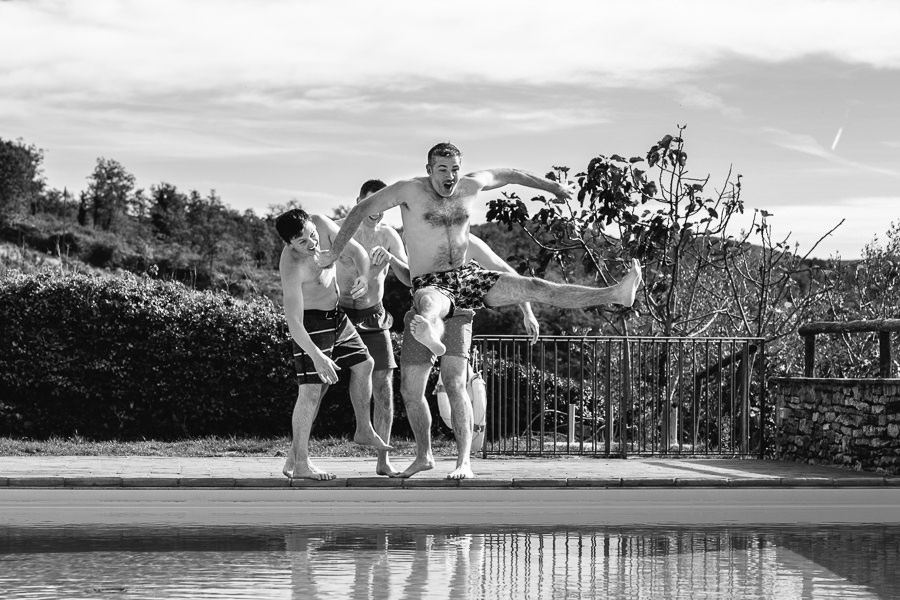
(495,178)
(380,201)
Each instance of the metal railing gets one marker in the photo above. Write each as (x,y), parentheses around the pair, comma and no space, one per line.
(621,396)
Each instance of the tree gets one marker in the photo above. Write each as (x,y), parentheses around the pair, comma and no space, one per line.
(109,192)
(21,176)
(700,278)
(867,289)
(168,211)
(206,218)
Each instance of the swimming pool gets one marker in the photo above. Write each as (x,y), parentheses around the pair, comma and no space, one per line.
(799,543)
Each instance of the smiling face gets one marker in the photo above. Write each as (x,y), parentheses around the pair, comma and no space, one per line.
(371,220)
(444,174)
(307,241)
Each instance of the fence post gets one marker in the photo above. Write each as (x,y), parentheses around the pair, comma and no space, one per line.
(571,436)
(809,345)
(884,348)
(744,371)
(626,397)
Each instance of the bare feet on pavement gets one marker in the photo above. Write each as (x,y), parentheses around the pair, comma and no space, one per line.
(427,334)
(416,466)
(291,471)
(384,467)
(462,472)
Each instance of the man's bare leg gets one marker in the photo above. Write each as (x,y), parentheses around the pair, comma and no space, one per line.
(361,398)
(413,379)
(427,326)
(383,416)
(298,465)
(514,289)
(454,371)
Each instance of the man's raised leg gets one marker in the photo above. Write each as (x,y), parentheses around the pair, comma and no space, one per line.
(361,398)
(432,307)
(383,416)
(454,372)
(515,289)
(413,378)
(297,465)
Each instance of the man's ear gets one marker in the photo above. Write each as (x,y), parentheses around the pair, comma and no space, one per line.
(428,169)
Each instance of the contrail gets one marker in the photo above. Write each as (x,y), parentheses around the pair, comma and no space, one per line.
(837,138)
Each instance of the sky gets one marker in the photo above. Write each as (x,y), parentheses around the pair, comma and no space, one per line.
(268,101)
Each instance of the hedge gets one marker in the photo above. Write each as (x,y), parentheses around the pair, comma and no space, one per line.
(131,357)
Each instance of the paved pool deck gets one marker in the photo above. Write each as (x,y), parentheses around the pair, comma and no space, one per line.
(111,472)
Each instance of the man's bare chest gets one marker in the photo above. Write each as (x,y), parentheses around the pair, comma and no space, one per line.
(447,213)
(319,279)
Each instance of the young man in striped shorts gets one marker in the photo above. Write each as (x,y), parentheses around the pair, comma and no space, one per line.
(324,340)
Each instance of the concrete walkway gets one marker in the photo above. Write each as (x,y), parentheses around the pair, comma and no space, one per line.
(505,473)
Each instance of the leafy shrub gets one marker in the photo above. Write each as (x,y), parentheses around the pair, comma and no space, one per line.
(133,357)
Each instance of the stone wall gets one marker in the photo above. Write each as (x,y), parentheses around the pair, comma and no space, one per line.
(848,422)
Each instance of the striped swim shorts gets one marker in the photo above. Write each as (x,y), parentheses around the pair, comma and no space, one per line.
(332,333)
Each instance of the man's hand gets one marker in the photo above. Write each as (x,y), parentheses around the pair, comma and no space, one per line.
(564,194)
(325,258)
(532,328)
(326,368)
(380,256)
(360,287)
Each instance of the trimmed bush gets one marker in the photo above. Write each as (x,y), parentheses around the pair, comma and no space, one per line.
(132,357)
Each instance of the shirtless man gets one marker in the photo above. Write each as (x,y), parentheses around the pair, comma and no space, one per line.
(373,322)
(459,336)
(436,211)
(367,313)
(322,335)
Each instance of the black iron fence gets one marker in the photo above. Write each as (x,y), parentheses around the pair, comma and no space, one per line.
(621,396)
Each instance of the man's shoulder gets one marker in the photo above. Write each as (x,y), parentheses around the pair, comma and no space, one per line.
(385,231)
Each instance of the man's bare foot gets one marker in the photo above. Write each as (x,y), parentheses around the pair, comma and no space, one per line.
(365,437)
(427,334)
(462,472)
(384,467)
(425,464)
(310,472)
(630,283)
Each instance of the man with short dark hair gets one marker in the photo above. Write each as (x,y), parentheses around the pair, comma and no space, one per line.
(323,338)
(436,211)
(373,322)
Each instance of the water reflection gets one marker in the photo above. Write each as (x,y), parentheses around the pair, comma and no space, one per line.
(222,562)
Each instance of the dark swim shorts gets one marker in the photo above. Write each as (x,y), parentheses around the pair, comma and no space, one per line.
(466,286)
(373,325)
(332,333)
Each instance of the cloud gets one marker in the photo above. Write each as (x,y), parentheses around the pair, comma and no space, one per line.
(692,96)
(121,47)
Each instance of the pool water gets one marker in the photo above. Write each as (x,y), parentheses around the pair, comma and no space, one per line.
(859,561)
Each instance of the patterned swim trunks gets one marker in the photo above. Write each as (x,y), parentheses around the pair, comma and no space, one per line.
(466,286)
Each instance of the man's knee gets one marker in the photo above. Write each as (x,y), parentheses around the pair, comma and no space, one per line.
(454,383)
(431,301)
(309,393)
(412,383)
(383,383)
(363,368)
